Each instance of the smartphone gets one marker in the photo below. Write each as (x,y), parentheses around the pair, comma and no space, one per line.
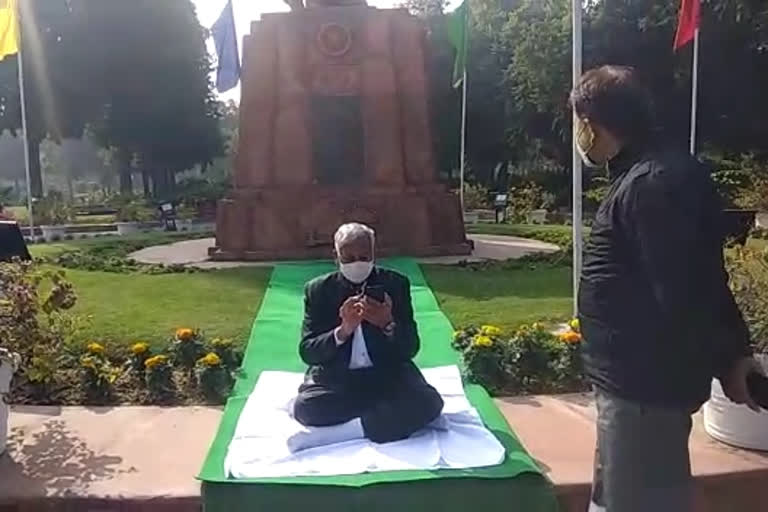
(758,389)
(376,292)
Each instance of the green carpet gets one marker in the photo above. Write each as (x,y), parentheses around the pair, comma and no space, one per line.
(515,485)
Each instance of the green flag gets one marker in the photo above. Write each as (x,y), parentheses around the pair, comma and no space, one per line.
(457,34)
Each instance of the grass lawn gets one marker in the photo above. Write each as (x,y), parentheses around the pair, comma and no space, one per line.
(123,308)
(506,298)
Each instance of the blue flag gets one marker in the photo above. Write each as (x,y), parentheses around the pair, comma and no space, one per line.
(225,38)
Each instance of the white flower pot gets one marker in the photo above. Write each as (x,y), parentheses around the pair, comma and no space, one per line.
(53,233)
(537,217)
(471,217)
(761,220)
(8,367)
(127,228)
(736,425)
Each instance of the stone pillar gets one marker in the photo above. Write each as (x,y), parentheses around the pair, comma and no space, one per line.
(380,109)
(409,41)
(292,133)
(254,162)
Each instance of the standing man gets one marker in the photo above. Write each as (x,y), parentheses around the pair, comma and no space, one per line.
(657,316)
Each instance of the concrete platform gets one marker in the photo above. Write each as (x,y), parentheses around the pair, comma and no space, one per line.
(133,459)
(194,253)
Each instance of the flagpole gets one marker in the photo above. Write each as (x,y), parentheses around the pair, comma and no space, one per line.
(24,129)
(463,137)
(694,91)
(576,161)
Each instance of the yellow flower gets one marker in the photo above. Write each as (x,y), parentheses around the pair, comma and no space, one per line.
(95,349)
(482,341)
(490,330)
(154,362)
(88,362)
(221,342)
(210,359)
(139,348)
(536,326)
(575,325)
(570,337)
(185,334)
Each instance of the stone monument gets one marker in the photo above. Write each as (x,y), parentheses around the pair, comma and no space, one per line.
(334,127)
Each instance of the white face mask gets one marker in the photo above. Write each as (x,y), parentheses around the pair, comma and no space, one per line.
(586,159)
(356,272)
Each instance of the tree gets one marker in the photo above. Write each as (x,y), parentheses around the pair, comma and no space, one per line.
(159,105)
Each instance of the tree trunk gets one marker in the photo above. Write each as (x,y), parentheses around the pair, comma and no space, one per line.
(35,173)
(126,177)
(145,183)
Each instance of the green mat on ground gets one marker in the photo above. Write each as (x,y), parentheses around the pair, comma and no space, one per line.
(515,485)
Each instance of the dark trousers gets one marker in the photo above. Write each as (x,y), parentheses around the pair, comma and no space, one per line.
(642,462)
(392,403)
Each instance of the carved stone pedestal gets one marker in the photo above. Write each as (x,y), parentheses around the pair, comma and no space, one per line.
(334,127)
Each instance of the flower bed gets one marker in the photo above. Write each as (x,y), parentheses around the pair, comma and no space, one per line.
(533,360)
(188,370)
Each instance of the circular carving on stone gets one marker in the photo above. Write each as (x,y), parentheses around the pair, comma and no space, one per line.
(334,40)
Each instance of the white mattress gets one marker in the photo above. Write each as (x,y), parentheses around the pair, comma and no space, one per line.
(259,447)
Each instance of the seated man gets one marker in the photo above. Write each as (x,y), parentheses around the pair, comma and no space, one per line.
(359,350)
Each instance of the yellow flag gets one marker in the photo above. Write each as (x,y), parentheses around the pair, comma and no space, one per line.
(9,28)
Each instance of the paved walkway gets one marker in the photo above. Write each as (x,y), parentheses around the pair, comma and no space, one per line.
(146,458)
(195,252)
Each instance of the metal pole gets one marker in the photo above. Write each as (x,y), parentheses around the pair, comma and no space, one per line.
(463,137)
(24,131)
(576,162)
(694,91)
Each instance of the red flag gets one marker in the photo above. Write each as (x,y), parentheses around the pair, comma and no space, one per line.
(690,14)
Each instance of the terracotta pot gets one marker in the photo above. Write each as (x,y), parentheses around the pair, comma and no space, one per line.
(733,424)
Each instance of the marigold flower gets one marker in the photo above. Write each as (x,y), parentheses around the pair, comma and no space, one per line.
(88,362)
(221,342)
(211,359)
(96,349)
(570,337)
(482,341)
(575,325)
(185,334)
(154,362)
(140,348)
(490,330)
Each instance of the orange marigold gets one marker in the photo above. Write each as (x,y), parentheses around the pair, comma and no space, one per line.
(185,334)
(570,337)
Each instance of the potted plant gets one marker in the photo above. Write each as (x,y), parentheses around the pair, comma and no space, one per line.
(130,216)
(9,364)
(52,213)
(724,420)
(186,215)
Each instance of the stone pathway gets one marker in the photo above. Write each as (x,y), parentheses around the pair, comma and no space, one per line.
(195,252)
(144,459)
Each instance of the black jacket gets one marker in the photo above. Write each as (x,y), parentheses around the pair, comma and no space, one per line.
(322,299)
(658,318)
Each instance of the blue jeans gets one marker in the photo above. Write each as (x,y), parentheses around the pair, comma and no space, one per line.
(642,461)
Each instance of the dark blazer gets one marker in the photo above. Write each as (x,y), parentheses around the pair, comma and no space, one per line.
(322,299)
(658,318)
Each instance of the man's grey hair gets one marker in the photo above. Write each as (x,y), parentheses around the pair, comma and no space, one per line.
(351,232)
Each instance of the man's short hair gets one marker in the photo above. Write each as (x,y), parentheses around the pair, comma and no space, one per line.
(615,98)
(351,232)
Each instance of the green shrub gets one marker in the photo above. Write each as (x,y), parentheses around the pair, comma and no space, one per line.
(214,378)
(533,360)
(748,269)
(34,319)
